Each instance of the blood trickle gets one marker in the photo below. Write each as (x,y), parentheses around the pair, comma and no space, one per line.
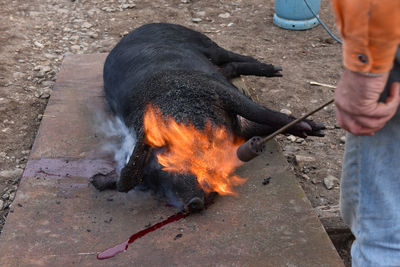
(111,252)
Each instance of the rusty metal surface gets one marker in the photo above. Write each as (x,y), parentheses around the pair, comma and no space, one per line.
(60,220)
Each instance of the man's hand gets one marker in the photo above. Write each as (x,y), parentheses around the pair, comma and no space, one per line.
(357,108)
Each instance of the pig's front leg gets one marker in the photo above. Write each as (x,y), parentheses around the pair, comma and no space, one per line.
(132,173)
(105,181)
(130,176)
(306,128)
(249,129)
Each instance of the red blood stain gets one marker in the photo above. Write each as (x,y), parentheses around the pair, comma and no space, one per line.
(111,252)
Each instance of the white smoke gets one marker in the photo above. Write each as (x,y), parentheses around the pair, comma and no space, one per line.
(120,140)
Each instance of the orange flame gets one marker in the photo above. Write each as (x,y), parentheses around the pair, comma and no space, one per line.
(210,155)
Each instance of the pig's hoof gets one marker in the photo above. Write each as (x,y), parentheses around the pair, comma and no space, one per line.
(106,181)
(195,204)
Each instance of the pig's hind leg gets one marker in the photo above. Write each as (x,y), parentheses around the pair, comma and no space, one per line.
(233,65)
(235,69)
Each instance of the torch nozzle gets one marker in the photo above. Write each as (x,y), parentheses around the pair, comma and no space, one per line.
(251,149)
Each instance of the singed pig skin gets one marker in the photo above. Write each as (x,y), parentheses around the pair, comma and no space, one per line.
(187,76)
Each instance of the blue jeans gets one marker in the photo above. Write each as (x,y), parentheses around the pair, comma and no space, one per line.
(370,195)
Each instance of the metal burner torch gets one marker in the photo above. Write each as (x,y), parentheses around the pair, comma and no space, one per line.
(256,145)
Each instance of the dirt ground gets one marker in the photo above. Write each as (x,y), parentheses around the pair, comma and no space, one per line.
(37,34)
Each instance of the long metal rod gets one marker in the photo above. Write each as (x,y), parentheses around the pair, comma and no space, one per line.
(284,128)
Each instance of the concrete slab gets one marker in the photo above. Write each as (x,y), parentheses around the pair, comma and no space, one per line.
(60,220)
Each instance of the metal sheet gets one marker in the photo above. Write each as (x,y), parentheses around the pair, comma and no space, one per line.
(58,219)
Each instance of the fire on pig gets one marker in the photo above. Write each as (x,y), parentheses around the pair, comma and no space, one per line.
(172,86)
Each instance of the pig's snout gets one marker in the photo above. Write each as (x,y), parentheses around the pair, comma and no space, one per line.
(195,204)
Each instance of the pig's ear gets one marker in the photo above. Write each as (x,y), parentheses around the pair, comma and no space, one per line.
(132,173)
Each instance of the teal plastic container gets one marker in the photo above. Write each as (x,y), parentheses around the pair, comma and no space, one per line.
(295,15)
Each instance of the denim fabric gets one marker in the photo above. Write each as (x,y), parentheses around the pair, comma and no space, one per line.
(370,195)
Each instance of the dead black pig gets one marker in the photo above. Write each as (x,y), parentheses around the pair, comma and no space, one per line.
(187,76)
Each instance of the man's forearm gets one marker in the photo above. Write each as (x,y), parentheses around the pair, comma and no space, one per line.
(371,33)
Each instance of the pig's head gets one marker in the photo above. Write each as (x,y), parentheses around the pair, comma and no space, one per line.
(188,163)
(181,190)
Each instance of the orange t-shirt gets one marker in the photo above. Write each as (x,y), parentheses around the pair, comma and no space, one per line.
(371,33)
